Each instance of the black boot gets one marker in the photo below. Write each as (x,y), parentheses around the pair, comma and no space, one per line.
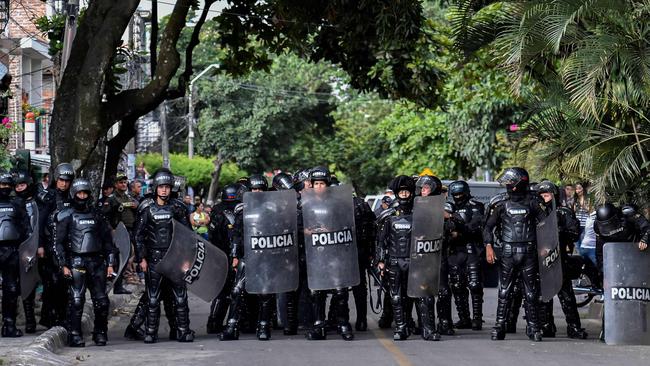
(231,333)
(401,333)
(185,335)
(150,338)
(575,332)
(30,318)
(549,330)
(498,333)
(317,333)
(133,333)
(100,338)
(10,330)
(445,327)
(345,330)
(263,331)
(75,340)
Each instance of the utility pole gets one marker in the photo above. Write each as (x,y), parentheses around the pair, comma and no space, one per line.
(191,121)
(164,142)
(70,32)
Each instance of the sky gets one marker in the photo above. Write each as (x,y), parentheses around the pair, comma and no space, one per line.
(166,6)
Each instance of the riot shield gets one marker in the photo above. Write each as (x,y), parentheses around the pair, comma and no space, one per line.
(194,261)
(627,294)
(270,242)
(27,252)
(426,246)
(122,241)
(330,238)
(548,256)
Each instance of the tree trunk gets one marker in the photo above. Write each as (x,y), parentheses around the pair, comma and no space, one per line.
(214,183)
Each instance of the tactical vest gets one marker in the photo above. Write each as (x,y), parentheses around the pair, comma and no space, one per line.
(125,214)
(517,223)
(159,226)
(84,233)
(400,236)
(10,229)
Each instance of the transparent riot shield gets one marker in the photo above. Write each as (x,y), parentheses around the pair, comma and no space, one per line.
(27,251)
(270,242)
(122,241)
(627,294)
(194,261)
(426,246)
(548,256)
(330,238)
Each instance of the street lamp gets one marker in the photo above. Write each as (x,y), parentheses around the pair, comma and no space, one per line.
(190,118)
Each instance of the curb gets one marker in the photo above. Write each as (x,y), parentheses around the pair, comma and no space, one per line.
(43,350)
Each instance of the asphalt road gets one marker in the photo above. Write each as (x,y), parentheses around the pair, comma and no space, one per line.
(374,347)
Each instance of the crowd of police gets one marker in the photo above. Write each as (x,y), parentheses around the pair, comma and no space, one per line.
(76,251)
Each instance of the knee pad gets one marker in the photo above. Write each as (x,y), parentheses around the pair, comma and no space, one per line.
(11,288)
(395,298)
(78,302)
(101,303)
(443,292)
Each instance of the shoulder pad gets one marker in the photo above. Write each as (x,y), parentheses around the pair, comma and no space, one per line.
(384,215)
(239,208)
(61,215)
(475,202)
(145,203)
(498,199)
(629,211)
(45,195)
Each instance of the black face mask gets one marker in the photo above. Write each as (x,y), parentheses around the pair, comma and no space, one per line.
(5,192)
(81,205)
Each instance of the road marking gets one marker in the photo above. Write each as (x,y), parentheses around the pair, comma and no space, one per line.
(390,346)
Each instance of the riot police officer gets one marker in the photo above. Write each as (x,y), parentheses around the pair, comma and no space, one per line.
(26,189)
(265,305)
(516,218)
(393,254)
(220,232)
(121,206)
(465,262)
(569,233)
(364,221)
(53,200)
(321,179)
(14,229)
(85,253)
(616,225)
(153,233)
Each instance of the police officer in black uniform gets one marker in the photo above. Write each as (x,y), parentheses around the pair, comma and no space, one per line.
(26,189)
(569,233)
(516,218)
(14,229)
(393,254)
(465,261)
(265,304)
(85,253)
(364,221)
(452,230)
(321,179)
(220,232)
(153,232)
(53,200)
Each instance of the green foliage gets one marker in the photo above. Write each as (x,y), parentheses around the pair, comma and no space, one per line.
(197,170)
(53,27)
(269,120)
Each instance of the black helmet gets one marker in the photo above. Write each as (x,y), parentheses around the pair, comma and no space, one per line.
(24,177)
(258,181)
(608,219)
(403,183)
(282,181)
(321,173)
(459,190)
(162,177)
(64,171)
(81,185)
(515,179)
(549,187)
(7,178)
(431,181)
(629,210)
(299,179)
(334,181)
(245,181)
(230,192)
